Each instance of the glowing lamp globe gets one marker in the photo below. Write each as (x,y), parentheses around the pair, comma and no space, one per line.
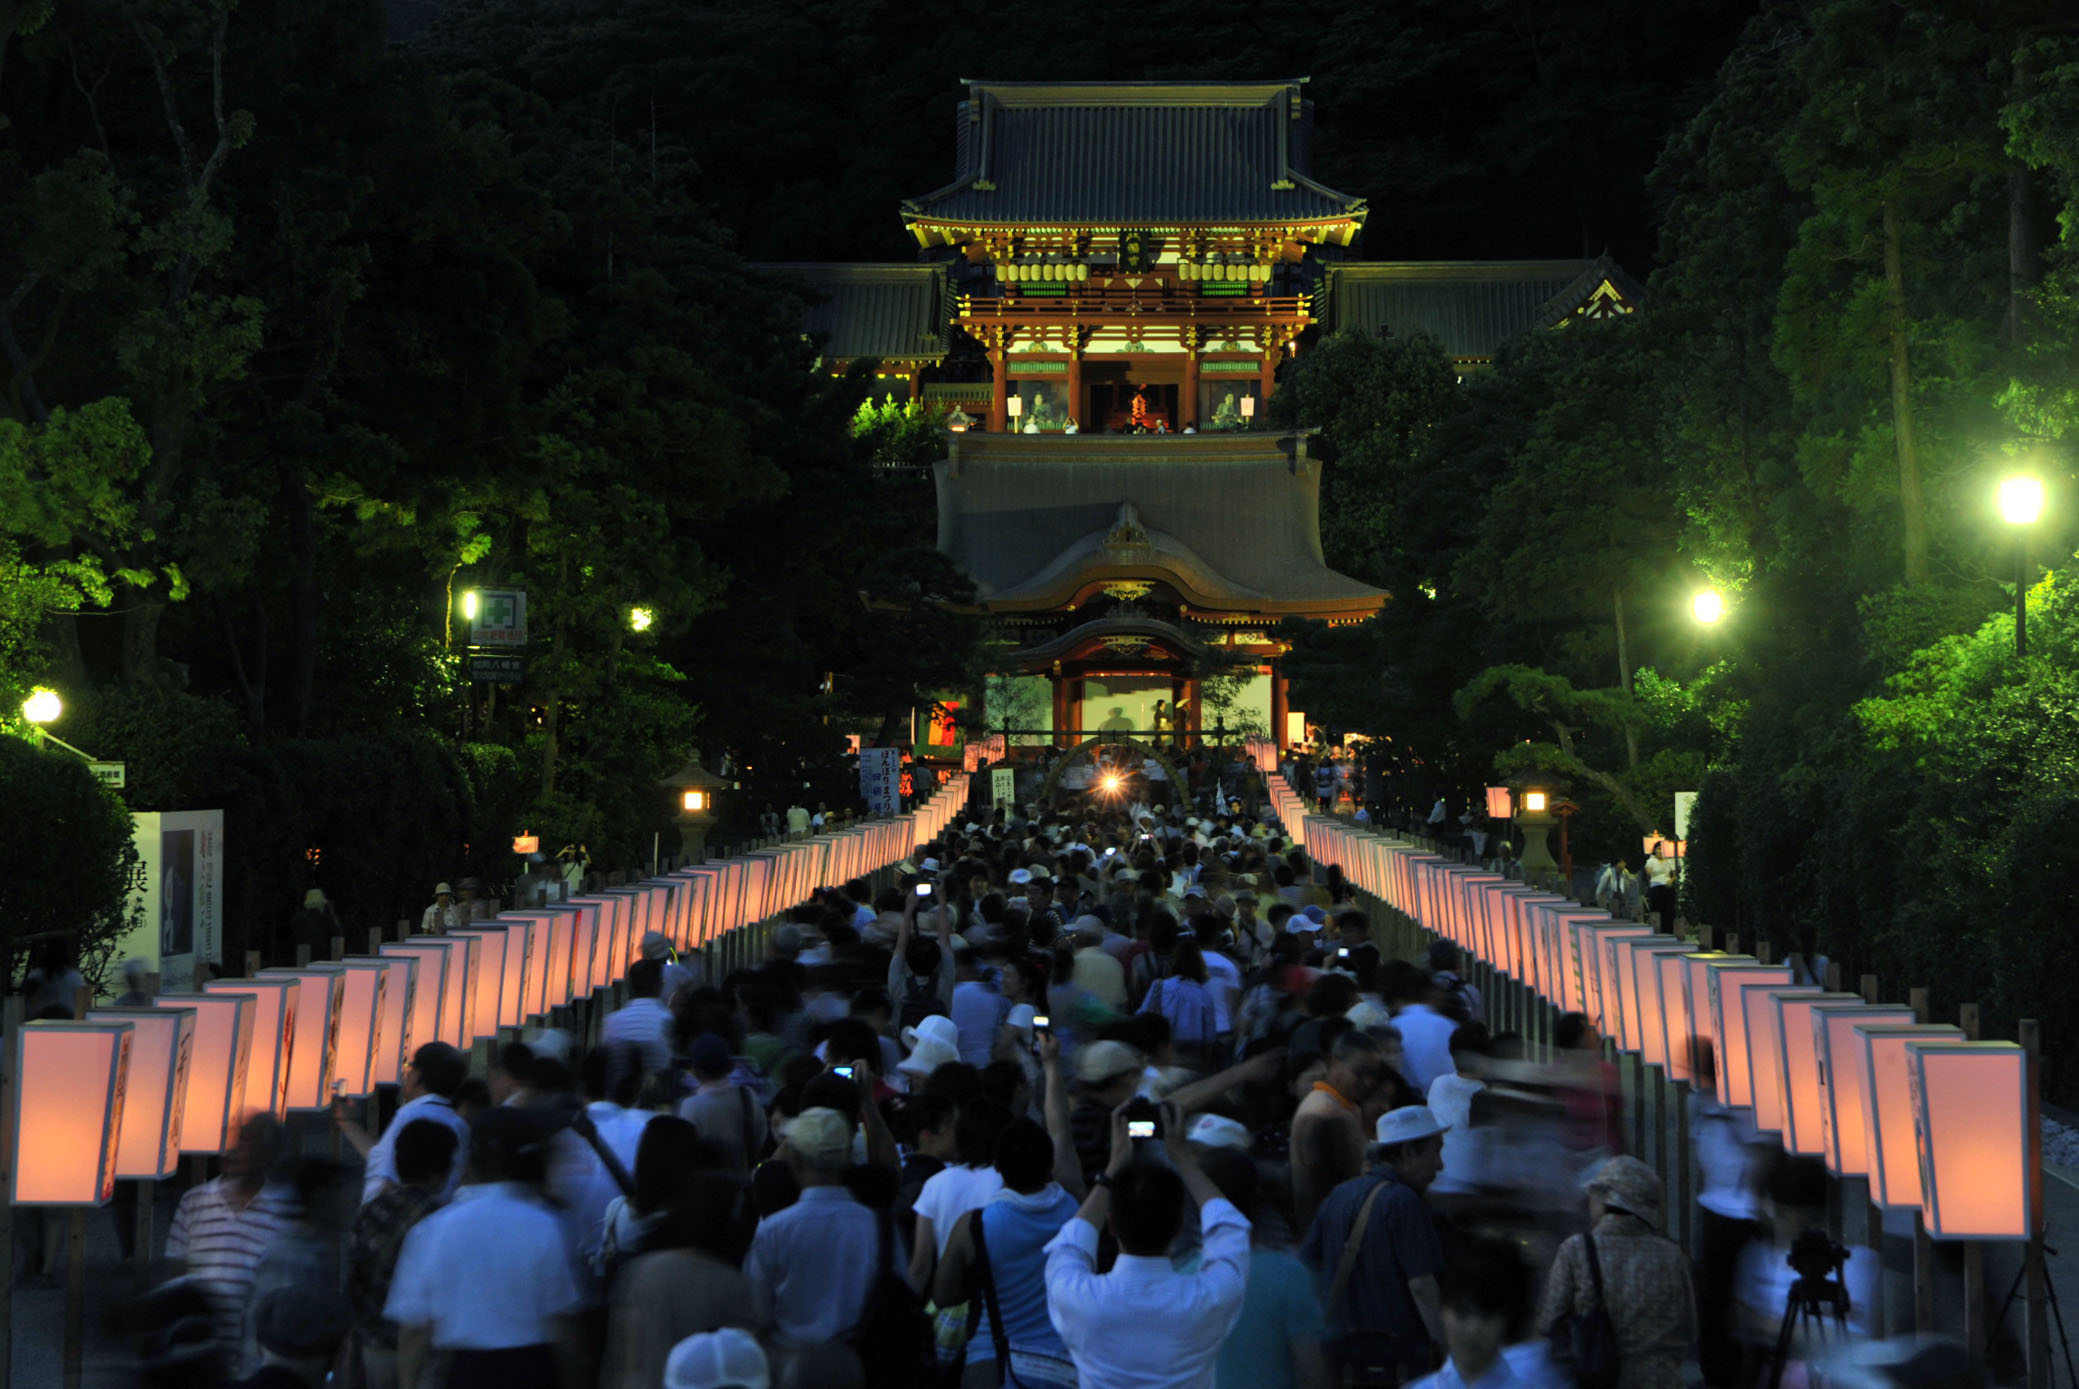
(1534,802)
(214,1103)
(161,1046)
(42,706)
(70,1079)
(1707,605)
(2021,500)
(1970,1120)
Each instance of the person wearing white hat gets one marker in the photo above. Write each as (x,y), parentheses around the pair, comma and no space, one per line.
(727,1359)
(443,916)
(1375,1243)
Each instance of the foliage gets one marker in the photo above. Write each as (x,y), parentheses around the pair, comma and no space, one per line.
(72,872)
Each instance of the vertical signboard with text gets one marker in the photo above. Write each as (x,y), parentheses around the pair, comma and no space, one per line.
(880,780)
(180,908)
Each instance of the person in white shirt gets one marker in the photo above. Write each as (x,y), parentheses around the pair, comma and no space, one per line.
(645,1024)
(965,1186)
(1425,1036)
(486,1281)
(436,1072)
(1145,1324)
(443,916)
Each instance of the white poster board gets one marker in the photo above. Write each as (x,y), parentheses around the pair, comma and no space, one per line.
(880,780)
(181,904)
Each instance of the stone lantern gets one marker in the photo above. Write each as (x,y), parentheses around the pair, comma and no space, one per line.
(695,789)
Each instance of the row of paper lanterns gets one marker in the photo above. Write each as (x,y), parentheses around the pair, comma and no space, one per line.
(128,1091)
(1934,1121)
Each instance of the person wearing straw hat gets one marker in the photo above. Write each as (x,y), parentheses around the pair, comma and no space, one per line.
(1640,1277)
(1374,1246)
(442,916)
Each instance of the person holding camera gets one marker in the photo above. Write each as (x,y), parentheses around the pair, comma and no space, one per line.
(1145,1323)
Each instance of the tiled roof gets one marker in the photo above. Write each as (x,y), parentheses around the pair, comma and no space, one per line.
(1133,154)
(892,312)
(1471,307)
(1231,521)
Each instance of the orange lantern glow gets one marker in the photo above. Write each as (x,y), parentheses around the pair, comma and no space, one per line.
(1887,1109)
(393,1046)
(318,1009)
(1497,802)
(274,1040)
(562,927)
(1605,980)
(428,991)
(1764,1051)
(1797,1066)
(1970,1118)
(458,984)
(487,982)
(217,1062)
(69,1082)
(1835,1046)
(360,1031)
(1729,1023)
(1630,967)
(162,1043)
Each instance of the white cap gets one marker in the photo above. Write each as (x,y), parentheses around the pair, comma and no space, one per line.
(714,1359)
(1219,1131)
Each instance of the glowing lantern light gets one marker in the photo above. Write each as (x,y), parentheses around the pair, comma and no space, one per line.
(1887,1109)
(1764,1053)
(1970,1116)
(155,1098)
(217,1061)
(393,1046)
(1497,802)
(487,979)
(360,1035)
(1729,1023)
(318,1009)
(1636,960)
(1685,1003)
(70,1079)
(1798,1066)
(429,989)
(274,1039)
(1839,1052)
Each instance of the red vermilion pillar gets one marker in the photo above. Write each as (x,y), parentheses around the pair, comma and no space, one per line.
(1187,408)
(1061,711)
(999,391)
(1270,375)
(1075,389)
(1279,706)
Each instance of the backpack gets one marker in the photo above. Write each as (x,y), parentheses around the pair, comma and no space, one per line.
(920,1000)
(1589,1342)
(894,1338)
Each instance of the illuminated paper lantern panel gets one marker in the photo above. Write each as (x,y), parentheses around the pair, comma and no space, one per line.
(317,1032)
(1764,1026)
(1729,1024)
(1970,1121)
(1837,1050)
(162,1042)
(487,981)
(274,1039)
(1887,1108)
(393,1045)
(70,1079)
(217,1065)
(429,989)
(1798,1067)
(359,1031)
(1498,803)
(1620,980)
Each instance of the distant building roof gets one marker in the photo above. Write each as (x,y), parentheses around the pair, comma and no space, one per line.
(1470,307)
(1133,153)
(1231,522)
(895,313)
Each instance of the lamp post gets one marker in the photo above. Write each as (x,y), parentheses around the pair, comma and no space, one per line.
(2021,506)
(696,788)
(41,709)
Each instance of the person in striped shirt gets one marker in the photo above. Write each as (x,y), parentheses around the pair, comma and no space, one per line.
(222,1229)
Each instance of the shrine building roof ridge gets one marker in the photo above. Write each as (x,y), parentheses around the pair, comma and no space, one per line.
(889,311)
(1129,154)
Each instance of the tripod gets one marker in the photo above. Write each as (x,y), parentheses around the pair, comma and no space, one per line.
(2057,1313)
(1810,1303)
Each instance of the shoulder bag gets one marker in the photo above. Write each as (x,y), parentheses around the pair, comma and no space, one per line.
(1590,1340)
(1366,1359)
(1020,1369)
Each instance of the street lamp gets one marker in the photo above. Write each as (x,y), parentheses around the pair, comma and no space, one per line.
(640,619)
(2021,505)
(469,604)
(1707,605)
(42,706)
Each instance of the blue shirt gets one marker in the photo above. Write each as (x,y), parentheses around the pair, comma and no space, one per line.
(978,1010)
(810,1266)
(1279,1306)
(1016,1229)
(1400,1243)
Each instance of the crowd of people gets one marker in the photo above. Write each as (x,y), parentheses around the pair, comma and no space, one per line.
(1120,1097)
